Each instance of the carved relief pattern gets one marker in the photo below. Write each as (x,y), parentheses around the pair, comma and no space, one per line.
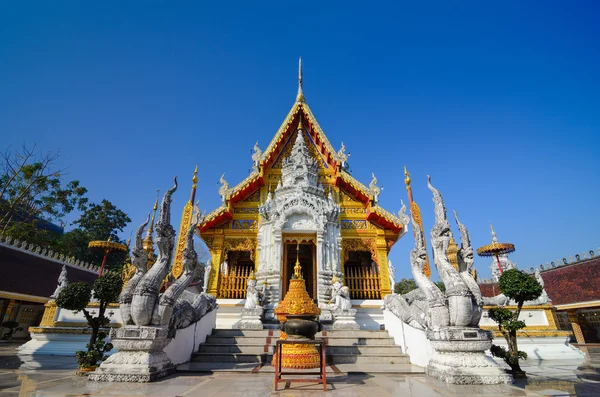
(239,244)
(224,225)
(346,198)
(299,238)
(244,210)
(208,241)
(287,150)
(353,210)
(358,244)
(353,224)
(186,219)
(245,224)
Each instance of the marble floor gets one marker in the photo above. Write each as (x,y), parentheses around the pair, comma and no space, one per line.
(559,379)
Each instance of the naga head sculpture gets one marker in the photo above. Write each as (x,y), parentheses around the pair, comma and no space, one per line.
(418,255)
(466,257)
(165,234)
(139,256)
(440,233)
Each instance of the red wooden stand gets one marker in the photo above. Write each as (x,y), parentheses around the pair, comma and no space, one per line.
(323,363)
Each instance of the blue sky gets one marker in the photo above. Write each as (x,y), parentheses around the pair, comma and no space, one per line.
(497,102)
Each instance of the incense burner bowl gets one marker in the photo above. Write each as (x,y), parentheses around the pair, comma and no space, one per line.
(301,326)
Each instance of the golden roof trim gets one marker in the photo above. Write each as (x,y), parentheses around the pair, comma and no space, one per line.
(355,183)
(388,216)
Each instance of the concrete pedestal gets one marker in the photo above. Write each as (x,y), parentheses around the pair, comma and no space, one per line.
(345,319)
(459,357)
(251,318)
(140,358)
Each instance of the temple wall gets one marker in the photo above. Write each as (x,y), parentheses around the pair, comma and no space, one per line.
(413,341)
(187,341)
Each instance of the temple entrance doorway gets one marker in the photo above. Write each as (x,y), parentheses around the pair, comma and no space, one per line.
(305,253)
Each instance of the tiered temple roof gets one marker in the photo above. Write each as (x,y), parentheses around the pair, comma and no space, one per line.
(328,159)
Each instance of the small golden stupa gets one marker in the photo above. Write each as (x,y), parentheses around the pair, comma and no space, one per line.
(297,302)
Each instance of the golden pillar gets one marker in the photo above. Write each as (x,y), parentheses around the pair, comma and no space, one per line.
(382,259)
(49,314)
(8,313)
(216,252)
(574,320)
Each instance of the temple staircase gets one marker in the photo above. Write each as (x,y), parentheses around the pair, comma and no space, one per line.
(236,350)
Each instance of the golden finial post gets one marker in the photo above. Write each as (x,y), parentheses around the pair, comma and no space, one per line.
(194,184)
(300,96)
(408,187)
(298,268)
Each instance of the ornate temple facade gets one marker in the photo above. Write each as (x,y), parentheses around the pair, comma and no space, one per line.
(300,203)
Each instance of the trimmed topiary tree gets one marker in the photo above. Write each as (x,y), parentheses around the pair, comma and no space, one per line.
(76,297)
(519,287)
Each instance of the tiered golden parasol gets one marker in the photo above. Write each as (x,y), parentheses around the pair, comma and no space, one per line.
(496,249)
(106,247)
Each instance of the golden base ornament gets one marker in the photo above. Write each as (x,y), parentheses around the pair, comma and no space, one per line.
(297,302)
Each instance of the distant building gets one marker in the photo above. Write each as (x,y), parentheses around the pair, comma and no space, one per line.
(28,276)
(573,286)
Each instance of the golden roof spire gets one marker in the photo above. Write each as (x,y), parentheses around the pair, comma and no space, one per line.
(407,179)
(151,228)
(195,177)
(300,96)
(194,184)
(408,188)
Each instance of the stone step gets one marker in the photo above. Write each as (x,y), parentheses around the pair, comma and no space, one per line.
(259,368)
(388,358)
(391,358)
(331,341)
(232,357)
(275,333)
(331,350)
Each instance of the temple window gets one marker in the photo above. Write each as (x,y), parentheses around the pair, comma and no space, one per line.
(234,275)
(362,276)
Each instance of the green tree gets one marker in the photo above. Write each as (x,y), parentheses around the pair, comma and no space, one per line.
(97,222)
(32,189)
(520,287)
(440,285)
(103,221)
(77,296)
(404,286)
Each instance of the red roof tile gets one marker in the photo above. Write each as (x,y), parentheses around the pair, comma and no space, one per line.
(579,282)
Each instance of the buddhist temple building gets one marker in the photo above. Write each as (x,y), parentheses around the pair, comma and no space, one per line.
(300,201)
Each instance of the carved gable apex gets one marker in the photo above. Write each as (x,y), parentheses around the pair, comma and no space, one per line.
(317,143)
